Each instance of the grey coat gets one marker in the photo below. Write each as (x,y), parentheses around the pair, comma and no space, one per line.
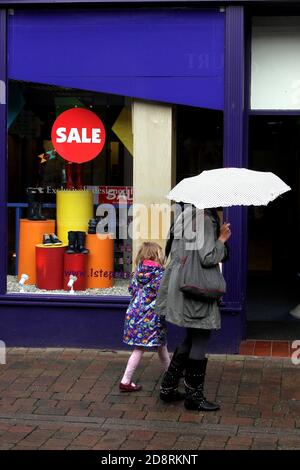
(171,302)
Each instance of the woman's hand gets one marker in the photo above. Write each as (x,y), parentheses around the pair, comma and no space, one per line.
(225,233)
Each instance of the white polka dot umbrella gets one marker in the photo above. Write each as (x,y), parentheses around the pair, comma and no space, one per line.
(226,187)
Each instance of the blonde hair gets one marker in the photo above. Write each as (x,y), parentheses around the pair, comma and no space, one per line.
(152,251)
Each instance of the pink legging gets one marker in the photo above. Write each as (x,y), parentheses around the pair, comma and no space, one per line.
(136,357)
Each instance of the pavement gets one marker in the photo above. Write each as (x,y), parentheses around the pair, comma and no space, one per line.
(69,399)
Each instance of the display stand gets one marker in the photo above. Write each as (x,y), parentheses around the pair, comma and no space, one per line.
(100,260)
(75,265)
(74,209)
(49,267)
(31,234)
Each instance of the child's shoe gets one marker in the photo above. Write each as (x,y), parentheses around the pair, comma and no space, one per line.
(129,387)
(46,239)
(54,239)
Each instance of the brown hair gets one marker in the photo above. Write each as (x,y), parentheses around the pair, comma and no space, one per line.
(152,251)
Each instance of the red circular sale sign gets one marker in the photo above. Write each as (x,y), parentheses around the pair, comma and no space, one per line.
(78,135)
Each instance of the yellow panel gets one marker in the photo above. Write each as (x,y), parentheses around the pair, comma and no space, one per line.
(74,210)
(114,153)
(123,128)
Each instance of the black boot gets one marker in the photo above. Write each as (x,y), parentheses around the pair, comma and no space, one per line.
(38,211)
(31,211)
(81,242)
(169,385)
(31,198)
(34,206)
(194,384)
(92,228)
(72,238)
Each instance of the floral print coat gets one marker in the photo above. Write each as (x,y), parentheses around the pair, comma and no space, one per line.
(142,326)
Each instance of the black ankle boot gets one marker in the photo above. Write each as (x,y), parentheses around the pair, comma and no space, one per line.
(38,211)
(194,384)
(31,198)
(31,211)
(92,228)
(34,211)
(81,242)
(72,239)
(169,385)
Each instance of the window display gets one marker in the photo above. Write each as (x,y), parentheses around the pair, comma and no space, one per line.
(68,155)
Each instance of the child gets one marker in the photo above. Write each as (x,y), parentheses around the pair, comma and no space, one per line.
(143,328)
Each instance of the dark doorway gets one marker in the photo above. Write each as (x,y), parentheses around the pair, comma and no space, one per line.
(274,231)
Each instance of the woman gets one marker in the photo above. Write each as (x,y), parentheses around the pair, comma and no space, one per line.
(199,317)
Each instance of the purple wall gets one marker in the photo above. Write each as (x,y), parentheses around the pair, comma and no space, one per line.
(101,327)
(3,152)
(235,155)
(174,56)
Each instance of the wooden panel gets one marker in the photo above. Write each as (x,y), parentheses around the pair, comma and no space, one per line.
(153,169)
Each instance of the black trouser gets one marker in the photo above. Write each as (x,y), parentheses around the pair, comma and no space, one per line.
(195,343)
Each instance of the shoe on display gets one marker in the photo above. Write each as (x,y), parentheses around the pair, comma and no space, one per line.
(92,228)
(46,239)
(72,239)
(37,208)
(32,194)
(54,239)
(80,243)
(34,211)
(31,211)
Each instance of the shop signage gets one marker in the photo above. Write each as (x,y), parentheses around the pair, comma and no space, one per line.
(78,135)
(115,195)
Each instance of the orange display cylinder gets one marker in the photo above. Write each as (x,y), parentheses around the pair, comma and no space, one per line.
(100,260)
(31,234)
(75,265)
(49,267)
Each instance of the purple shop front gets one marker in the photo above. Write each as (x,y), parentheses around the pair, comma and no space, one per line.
(178,56)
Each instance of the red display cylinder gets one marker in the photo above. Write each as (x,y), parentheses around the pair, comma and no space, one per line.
(49,267)
(75,265)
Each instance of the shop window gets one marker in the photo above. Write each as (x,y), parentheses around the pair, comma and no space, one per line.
(64,217)
(275,63)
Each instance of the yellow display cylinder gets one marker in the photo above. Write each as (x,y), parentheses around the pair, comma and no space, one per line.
(31,233)
(74,209)
(100,260)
